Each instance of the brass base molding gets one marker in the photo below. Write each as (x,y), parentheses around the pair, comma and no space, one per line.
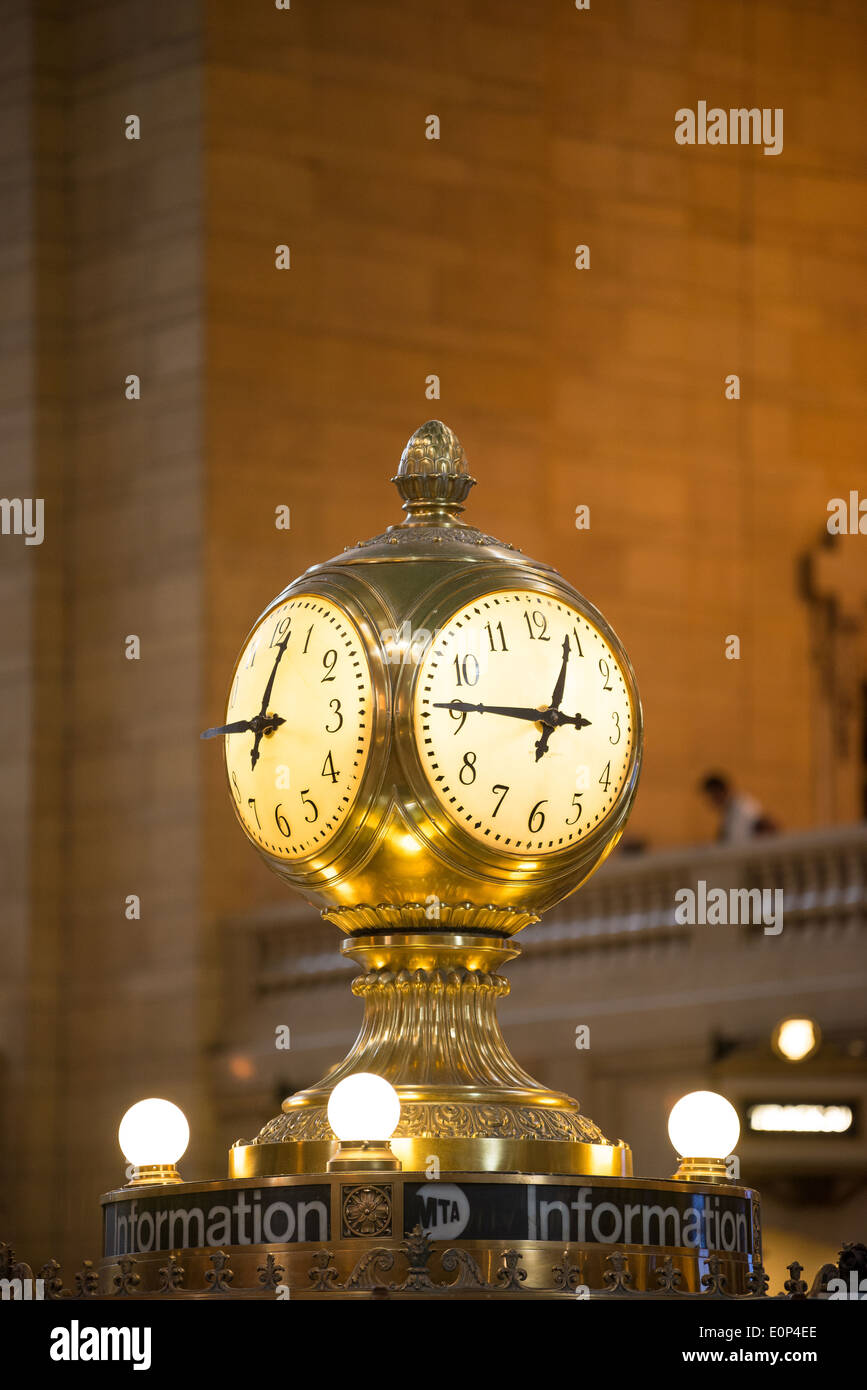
(420,1120)
(430,1028)
(554,1156)
(419,1268)
(485,918)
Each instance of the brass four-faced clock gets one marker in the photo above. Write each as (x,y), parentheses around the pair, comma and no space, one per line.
(434,739)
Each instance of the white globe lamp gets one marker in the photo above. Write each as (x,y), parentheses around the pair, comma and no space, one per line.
(364,1112)
(703,1128)
(153,1135)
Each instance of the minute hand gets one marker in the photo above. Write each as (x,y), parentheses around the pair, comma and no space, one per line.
(542,743)
(281,647)
(561,679)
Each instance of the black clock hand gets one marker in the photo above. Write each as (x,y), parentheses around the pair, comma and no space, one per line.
(555,718)
(266,723)
(551,718)
(542,742)
(261,723)
(575,719)
(511,711)
(561,679)
(281,647)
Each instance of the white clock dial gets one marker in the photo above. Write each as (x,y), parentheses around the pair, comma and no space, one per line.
(523,722)
(294,785)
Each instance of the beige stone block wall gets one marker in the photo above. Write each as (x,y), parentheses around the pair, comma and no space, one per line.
(604,387)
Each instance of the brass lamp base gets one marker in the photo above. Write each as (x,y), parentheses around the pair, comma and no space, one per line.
(363,1157)
(702,1170)
(148,1174)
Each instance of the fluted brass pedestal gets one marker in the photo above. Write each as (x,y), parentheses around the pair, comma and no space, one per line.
(430,1028)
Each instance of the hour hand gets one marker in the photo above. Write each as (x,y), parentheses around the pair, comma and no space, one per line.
(261,724)
(510,711)
(240,726)
(575,719)
(555,720)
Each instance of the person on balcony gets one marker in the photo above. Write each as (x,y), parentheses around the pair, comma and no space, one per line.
(741,816)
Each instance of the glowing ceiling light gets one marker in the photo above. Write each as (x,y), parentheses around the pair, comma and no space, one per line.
(796,1039)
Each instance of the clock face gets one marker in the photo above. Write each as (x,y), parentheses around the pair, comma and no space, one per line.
(523,722)
(293,784)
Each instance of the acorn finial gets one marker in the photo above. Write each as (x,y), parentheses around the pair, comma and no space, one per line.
(433,475)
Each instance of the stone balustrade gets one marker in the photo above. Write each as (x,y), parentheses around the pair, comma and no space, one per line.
(822,875)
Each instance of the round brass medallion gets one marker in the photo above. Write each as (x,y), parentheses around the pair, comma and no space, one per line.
(366,1211)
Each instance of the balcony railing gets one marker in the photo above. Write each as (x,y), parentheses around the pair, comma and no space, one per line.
(822,874)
